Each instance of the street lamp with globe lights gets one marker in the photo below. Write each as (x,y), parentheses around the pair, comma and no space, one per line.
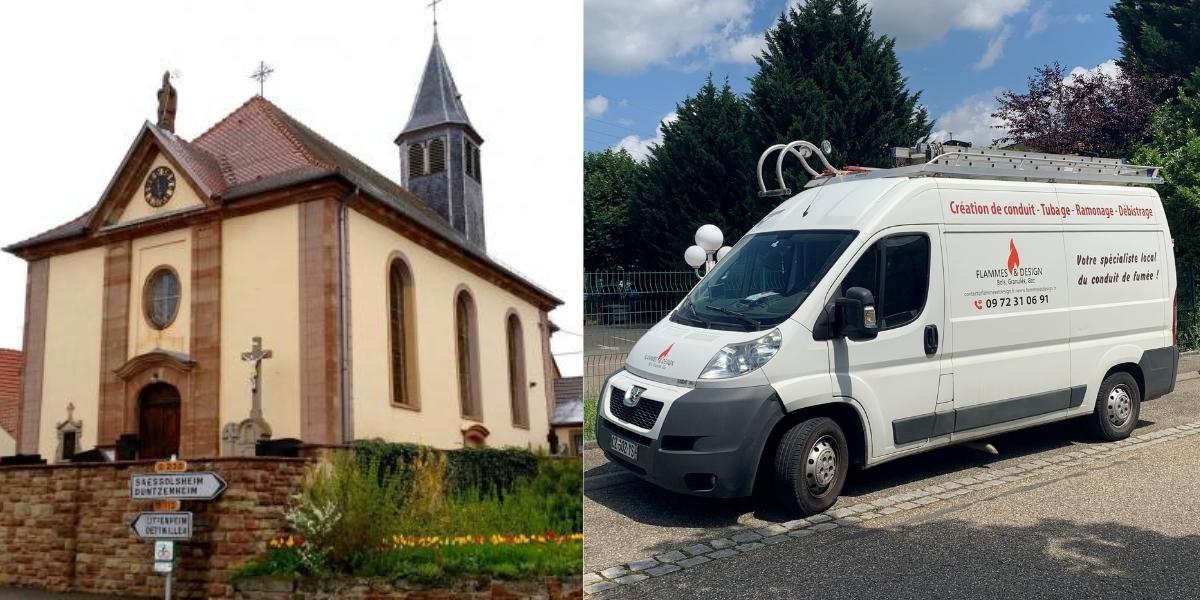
(707,251)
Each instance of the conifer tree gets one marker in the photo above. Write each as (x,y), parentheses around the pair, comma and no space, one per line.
(825,76)
(608,186)
(702,172)
(1158,39)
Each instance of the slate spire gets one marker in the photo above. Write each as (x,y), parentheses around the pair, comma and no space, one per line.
(438,101)
(439,151)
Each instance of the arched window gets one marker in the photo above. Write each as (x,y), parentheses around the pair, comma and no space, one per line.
(437,155)
(467,350)
(517,385)
(401,334)
(416,160)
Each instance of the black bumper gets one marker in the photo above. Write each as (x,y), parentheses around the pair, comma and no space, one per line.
(705,434)
(1159,368)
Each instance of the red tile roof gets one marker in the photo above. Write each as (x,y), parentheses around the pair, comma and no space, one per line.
(258,148)
(10,389)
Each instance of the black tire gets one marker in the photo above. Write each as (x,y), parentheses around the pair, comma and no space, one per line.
(1118,405)
(797,487)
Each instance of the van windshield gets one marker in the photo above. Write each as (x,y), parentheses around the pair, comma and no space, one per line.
(763,280)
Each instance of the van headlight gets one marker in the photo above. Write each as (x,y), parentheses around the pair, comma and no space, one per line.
(739,359)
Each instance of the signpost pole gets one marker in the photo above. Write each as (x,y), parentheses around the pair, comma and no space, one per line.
(170,483)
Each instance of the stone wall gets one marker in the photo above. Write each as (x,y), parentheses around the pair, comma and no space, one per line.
(66,527)
(549,588)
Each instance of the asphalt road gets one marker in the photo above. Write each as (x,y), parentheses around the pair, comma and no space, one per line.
(1120,530)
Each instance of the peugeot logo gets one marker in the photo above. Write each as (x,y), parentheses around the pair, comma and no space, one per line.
(632,396)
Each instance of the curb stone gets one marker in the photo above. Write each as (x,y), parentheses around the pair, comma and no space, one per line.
(749,540)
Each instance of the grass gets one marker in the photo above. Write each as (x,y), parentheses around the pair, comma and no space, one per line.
(439,565)
(589,419)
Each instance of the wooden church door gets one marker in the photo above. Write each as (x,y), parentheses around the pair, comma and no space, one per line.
(158,421)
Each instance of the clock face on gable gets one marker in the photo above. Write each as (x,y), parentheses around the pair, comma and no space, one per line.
(160,186)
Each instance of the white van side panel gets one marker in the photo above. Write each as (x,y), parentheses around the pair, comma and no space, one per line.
(1118,291)
(1007,303)
(1008,313)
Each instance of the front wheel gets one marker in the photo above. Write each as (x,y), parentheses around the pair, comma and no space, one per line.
(811,463)
(1118,405)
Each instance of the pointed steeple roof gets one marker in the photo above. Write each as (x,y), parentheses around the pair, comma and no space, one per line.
(438,101)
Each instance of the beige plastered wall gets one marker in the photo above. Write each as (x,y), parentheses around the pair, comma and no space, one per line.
(72,358)
(136,206)
(260,296)
(8,445)
(438,422)
(564,437)
(170,249)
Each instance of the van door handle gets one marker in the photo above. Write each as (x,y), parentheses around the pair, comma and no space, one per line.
(931,340)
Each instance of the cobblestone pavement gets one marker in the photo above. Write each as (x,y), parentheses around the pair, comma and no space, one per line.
(685,540)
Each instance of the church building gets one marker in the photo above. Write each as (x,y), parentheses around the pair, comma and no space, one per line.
(258,281)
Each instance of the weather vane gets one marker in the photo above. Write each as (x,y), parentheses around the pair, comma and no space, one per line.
(263,72)
(433,4)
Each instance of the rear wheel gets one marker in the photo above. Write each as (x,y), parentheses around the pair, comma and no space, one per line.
(811,462)
(1118,405)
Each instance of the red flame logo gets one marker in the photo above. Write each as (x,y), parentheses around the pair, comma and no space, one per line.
(1014,259)
(666,352)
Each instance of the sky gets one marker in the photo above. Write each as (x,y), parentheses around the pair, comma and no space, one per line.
(644,56)
(80,78)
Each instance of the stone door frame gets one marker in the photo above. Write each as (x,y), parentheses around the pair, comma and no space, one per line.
(179,371)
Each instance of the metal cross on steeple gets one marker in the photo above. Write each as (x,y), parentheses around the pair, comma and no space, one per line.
(433,4)
(264,71)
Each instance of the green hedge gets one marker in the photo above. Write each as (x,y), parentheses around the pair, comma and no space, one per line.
(487,471)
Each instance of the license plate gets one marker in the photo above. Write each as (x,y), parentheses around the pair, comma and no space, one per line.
(623,447)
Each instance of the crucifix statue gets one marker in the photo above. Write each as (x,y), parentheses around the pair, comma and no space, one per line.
(261,74)
(256,355)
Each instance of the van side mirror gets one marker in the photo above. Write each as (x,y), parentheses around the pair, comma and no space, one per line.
(855,316)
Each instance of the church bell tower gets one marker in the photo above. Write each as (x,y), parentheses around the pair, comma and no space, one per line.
(439,152)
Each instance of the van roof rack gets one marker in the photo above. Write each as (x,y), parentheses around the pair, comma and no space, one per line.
(939,160)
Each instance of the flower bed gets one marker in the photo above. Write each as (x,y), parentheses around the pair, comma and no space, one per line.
(357,519)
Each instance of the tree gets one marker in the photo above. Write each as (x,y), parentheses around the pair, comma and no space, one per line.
(608,185)
(1081,113)
(824,75)
(1175,146)
(702,172)
(1158,39)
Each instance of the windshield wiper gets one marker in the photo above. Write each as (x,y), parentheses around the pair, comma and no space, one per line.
(696,316)
(734,313)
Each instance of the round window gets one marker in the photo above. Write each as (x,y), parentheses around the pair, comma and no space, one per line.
(161,297)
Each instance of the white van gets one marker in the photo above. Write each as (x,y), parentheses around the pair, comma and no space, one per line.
(884,313)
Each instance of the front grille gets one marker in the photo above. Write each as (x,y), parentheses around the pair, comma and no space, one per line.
(626,433)
(644,415)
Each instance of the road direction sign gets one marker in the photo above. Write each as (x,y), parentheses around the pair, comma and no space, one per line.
(163,525)
(197,485)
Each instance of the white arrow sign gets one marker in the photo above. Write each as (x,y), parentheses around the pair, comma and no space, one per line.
(199,485)
(163,525)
